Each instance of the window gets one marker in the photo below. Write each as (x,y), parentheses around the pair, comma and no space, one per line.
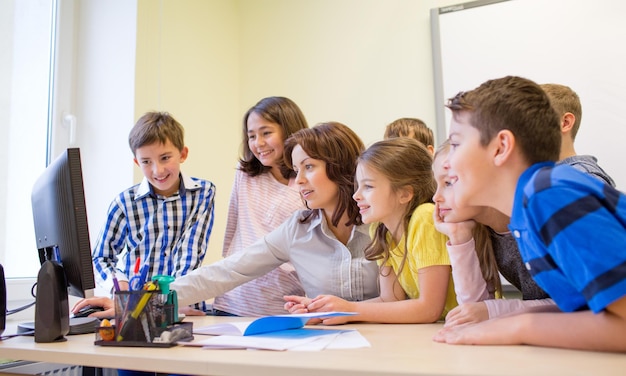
(48,72)
(25,105)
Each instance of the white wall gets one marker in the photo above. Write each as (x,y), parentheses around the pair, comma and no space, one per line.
(104,100)
(579,50)
(96,85)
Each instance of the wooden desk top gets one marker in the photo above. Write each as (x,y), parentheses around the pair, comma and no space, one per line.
(396,350)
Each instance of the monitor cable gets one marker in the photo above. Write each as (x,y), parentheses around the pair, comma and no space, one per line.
(19,309)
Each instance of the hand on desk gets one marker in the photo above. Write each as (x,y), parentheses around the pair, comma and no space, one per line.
(191,311)
(472,334)
(296,304)
(321,303)
(106,303)
(467,313)
(503,330)
(497,331)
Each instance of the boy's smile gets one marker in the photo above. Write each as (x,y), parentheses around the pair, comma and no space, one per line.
(160,164)
(469,162)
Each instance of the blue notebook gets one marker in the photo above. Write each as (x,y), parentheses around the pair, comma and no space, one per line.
(266,324)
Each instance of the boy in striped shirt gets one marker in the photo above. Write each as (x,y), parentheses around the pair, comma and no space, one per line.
(162,224)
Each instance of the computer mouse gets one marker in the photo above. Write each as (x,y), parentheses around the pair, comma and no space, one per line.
(88,310)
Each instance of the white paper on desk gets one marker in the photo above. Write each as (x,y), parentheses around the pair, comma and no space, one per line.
(343,339)
(349,339)
(317,344)
(252,342)
(268,341)
(265,324)
(291,340)
(278,341)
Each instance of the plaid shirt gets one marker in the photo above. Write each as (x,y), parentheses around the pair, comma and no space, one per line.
(170,234)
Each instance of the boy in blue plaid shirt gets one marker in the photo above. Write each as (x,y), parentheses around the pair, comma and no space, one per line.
(162,224)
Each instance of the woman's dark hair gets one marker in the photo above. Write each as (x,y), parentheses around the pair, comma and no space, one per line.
(338,146)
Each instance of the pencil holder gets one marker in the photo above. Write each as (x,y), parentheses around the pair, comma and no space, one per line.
(145,318)
(138,314)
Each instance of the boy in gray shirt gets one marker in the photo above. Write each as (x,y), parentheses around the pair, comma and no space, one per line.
(567,105)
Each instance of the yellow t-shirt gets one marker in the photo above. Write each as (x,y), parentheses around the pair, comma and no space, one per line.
(427,247)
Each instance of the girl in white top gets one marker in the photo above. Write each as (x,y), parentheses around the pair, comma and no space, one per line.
(264,195)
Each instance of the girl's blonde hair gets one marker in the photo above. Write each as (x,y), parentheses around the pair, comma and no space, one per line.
(407,164)
(410,127)
(482,240)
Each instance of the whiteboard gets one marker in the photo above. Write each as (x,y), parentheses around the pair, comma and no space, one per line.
(581,44)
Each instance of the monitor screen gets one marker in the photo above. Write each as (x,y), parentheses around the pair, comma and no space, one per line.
(60,218)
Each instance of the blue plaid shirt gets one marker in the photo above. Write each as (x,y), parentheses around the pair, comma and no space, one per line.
(169,234)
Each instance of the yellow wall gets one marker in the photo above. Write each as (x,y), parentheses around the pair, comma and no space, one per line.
(188,64)
(360,62)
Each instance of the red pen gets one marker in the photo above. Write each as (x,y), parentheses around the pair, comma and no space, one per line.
(139,278)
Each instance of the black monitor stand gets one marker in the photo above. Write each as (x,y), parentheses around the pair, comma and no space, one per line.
(52,316)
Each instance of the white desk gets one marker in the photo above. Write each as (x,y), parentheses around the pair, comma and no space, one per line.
(396,350)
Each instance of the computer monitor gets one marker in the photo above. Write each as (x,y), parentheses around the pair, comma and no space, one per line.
(62,238)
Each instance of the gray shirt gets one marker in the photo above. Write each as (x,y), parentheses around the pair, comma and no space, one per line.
(323,264)
(588,164)
(512,267)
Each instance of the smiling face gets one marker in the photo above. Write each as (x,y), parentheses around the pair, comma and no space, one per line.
(160,164)
(376,199)
(316,188)
(470,168)
(265,140)
(444,195)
